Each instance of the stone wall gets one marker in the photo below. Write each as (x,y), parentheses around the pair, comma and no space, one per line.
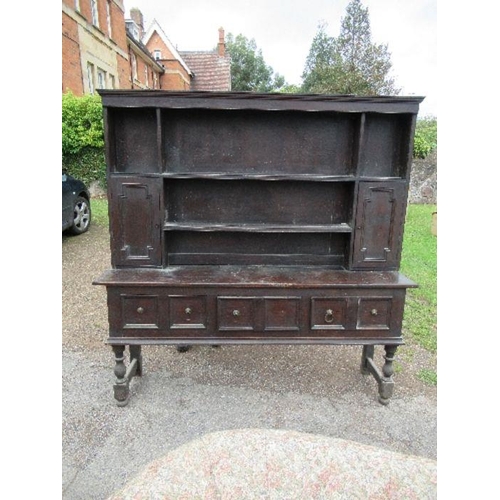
(423,181)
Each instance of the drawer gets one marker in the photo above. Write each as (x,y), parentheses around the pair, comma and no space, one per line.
(328,313)
(236,313)
(139,311)
(281,313)
(187,312)
(374,313)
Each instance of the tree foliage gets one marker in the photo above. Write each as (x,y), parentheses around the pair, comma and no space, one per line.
(249,71)
(350,63)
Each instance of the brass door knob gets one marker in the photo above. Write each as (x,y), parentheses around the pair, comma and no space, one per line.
(236,312)
(140,310)
(188,310)
(374,312)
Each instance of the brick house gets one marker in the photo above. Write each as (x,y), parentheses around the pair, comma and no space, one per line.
(102,49)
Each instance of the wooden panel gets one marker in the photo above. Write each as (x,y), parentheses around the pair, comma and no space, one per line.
(253,202)
(253,141)
(379,224)
(282,314)
(135,215)
(374,313)
(139,311)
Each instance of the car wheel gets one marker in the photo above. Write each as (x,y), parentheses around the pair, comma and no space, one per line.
(81,216)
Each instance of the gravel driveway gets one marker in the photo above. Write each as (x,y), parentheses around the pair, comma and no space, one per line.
(183,396)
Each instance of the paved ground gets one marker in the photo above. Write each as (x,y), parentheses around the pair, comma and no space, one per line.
(181,397)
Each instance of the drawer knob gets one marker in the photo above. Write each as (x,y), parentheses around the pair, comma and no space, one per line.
(188,310)
(140,310)
(236,312)
(374,312)
(329,316)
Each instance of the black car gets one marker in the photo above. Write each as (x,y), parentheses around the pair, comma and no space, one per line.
(76,212)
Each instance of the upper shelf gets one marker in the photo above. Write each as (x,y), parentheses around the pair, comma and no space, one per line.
(235,143)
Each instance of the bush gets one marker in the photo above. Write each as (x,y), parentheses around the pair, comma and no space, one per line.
(88,165)
(425,137)
(83,138)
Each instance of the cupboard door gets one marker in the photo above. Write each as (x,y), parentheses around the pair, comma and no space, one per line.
(135,213)
(380,213)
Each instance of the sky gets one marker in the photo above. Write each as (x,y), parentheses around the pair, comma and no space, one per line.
(284,31)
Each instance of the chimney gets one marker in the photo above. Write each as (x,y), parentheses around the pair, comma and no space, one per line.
(221,46)
(138,19)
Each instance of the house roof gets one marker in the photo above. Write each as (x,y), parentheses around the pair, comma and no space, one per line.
(211,71)
(156,27)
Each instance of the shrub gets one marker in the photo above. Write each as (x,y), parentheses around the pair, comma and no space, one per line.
(425,137)
(83,137)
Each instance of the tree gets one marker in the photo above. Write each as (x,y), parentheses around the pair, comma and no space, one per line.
(350,63)
(249,71)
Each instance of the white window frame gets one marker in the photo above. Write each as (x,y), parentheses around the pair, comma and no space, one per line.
(108,18)
(146,74)
(101,78)
(155,80)
(157,54)
(95,12)
(90,77)
(133,64)
(111,81)
(77,5)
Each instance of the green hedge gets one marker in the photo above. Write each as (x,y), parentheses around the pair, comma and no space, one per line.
(83,138)
(425,137)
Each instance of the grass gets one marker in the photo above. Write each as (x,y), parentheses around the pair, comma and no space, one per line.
(419,263)
(100,211)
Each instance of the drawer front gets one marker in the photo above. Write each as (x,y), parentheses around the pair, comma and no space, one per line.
(281,314)
(139,311)
(235,314)
(374,313)
(187,312)
(328,313)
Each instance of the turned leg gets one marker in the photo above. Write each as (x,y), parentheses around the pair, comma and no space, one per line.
(386,384)
(121,389)
(384,377)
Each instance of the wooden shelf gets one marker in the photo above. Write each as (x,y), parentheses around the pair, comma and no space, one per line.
(258,228)
(259,177)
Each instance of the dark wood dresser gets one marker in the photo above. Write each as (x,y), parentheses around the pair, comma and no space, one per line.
(242,218)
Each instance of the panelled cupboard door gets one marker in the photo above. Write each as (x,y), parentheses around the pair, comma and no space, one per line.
(135,221)
(379,225)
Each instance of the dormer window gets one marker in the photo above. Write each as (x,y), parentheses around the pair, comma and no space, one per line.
(157,54)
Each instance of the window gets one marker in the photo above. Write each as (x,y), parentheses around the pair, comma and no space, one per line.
(157,54)
(95,16)
(90,77)
(133,61)
(101,79)
(77,5)
(146,75)
(111,81)
(108,18)
(155,80)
